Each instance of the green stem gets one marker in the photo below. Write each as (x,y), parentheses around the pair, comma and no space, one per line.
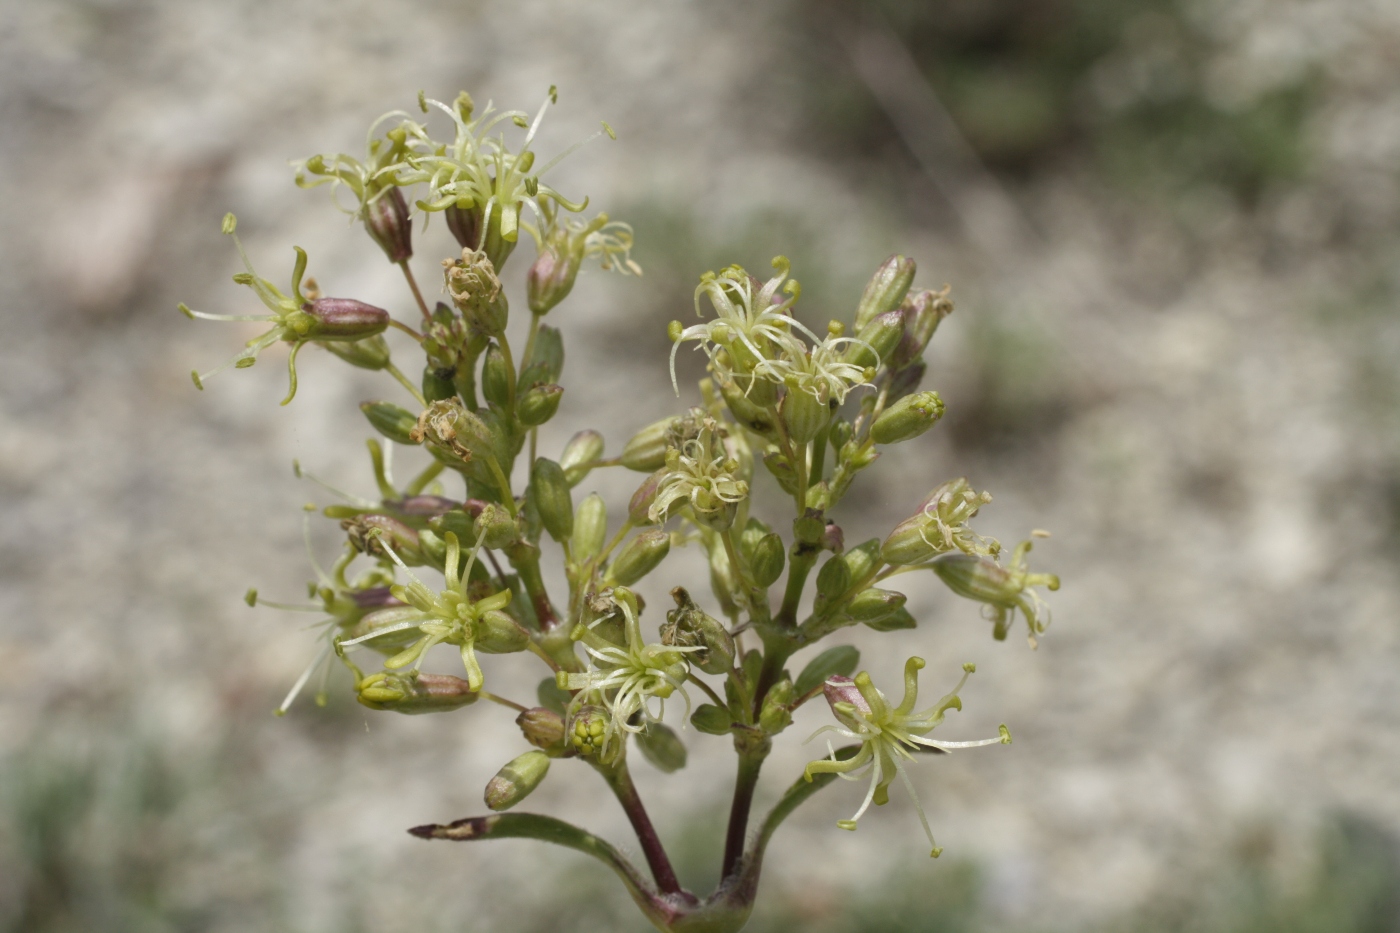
(530,578)
(709,691)
(400,325)
(413,284)
(803,559)
(502,701)
(403,381)
(510,372)
(750,764)
(502,483)
(421,481)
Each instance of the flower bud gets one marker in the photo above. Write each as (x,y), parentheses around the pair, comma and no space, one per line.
(900,619)
(500,527)
(639,508)
(415,693)
(781,468)
(448,428)
(860,560)
(590,529)
(766,560)
(907,418)
(546,360)
(372,353)
(775,716)
(589,731)
(878,340)
(885,290)
(976,578)
(662,747)
(343,319)
(498,633)
(388,224)
(438,384)
(465,226)
(833,538)
(393,422)
(939,525)
(549,489)
(840,660)
(874,604)
(640,556)
(543,728)
(390,642)
(579,454)
(516,780)
(804,415)
(472,232)
(646,451)
(551,278)
(746,409)
(476,291)
(833,579)
(370,534)
(712,720)
(923,311)
(689,626)
(842,691)
(539,404)
(495,377)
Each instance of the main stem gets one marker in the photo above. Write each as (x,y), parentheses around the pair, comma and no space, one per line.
(751,756)
(620,780)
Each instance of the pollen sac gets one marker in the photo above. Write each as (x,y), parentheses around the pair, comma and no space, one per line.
(517,780)
(639,557)
(344,319)
(662,747)
(689,626)
(544,729)
(885,290)
(372,353)
(583,449)
(907,418)
(388,224)
(415,693)
(539,404)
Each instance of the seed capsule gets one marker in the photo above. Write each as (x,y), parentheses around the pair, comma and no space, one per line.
(766,560)
(640,556)
(415,693)
(590,528)
(539,405)
(878,340)
(549,489)
(907,418)
(388,224)
(804,415)
(495,376)
(589,732)
(646,451)
(712,720)
(689,626)
(579,454)
(498,633)
(371,353)
(874,604)
(516,780)
(343,319)
(543,728)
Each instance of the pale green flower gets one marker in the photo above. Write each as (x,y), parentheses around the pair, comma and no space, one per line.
(386,161)
(702,474)
(1001,590)
(888,736)
(821,372)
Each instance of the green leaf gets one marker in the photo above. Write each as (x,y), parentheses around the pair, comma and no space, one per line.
(840,660)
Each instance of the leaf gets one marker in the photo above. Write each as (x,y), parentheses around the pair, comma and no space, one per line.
(840,660)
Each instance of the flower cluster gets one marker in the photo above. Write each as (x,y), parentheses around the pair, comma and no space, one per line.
(490,504)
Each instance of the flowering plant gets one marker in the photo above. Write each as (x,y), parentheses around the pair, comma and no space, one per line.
(486,504)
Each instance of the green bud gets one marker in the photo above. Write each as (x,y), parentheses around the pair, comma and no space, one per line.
(782,471)
(371,353)
(539,404)
(500,527)
(810,528)
(414,693)
(546,361)
(640,556)
(861,559)
(543,728)
(878,339)
(457,521)
(833,579)
(589,730)
(804,415)
(498,633)
(550,279)
(747,409)
(646,451)
(775,716)
(907,418)
(841,660)
(711,719)
(873,604)
(393,422)
(391,642)
(662,747)
(438,384)
(549,489)
(840,433)
(590,529)
(583,449)
(495,376)
(689,626)
(516,780)
(885,290)
(723,582)
(766,558)
(898,620)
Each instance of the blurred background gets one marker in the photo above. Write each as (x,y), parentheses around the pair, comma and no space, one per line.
(1171,231)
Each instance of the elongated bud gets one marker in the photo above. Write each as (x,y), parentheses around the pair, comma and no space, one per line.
(878,340)
(977,578)
(833,579)
(841,660)
(589,731)
(662,747)
(590,528)
(551,278)
(495,376)
(923,311)
(939,525)
(500,527)
(885,290)
(874,604)
(388,224)
(415,693)
(579,454)
(549,488)
(372,353)
(516,780)
(344,319)
(639,508)
(804,415)
(465,226)
(907,379)
(476,291)
(907,418)
(842,691)
(543,728)
(640,556)
(498,633)
(746,408)
(393,422)
(546,361)
(689,626)
(712,720)
(766,560)
(539,404)
(775,715)
(377,627)
(646,451)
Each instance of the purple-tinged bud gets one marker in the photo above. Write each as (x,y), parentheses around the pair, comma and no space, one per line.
(376,597)
(639,557)
(388,224)
(907,418)
(833,538)
(465,225)
(544,729)
(343,319)
(549,489)
(885,290)
(878,340)
(842,691)
(393,422)
(516,780)
(907,379)
(372,353)
(923,311)
(426,506)
(662,747)
(639,508)
(551,278)
(386,621)
(583,449)
(415,693)
(539,404)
